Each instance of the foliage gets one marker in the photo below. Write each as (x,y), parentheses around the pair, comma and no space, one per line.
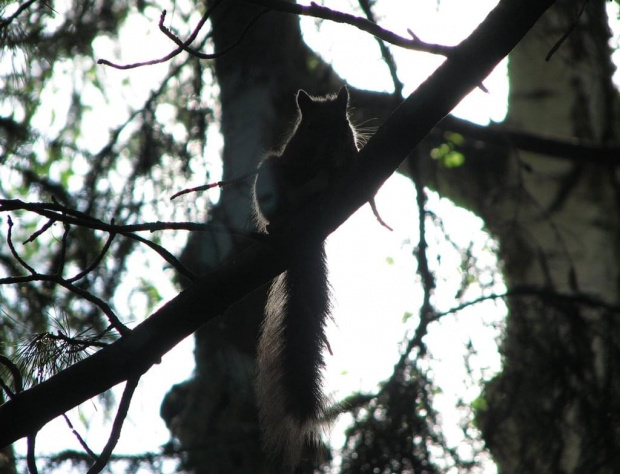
(124,171)
(392,434)
(65,138)
(448,153)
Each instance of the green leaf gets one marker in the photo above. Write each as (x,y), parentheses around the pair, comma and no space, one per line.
(453,159)
(479,404)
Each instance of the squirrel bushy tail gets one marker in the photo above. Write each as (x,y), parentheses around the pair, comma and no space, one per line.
(291,357)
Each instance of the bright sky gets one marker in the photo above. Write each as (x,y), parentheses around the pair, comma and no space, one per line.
(374,282)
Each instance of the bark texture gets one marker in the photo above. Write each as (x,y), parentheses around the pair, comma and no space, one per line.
(554,407)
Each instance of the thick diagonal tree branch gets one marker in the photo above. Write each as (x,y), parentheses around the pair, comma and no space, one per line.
(211,294)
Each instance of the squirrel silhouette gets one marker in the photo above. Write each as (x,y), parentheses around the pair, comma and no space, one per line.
(292,406)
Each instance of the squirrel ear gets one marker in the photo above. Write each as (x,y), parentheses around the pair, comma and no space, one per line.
(343,97)
(303,100)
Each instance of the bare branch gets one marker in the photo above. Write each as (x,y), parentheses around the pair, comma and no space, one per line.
(567,33)
(115,434)
(63,250)
(102,305)
(375,211)
(385,51)
(24,6)
(61,213)
(206,187)
(18,384)
(174,53)
(427,311)
(542,293)
(317,11)
(81,440)
(97,260)
(185,47)
(78,343)
(56,212)
(14,252)
(313,10)
(166,255)
(112,318)
(42,230)
(30,456)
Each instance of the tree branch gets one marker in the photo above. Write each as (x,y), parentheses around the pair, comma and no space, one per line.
(317,11)
(4,22)
(389,60)
(183,46)
(259,262)
(115,434)
(556,147)
(57,212)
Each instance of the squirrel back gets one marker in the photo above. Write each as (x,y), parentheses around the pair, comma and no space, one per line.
(290,351)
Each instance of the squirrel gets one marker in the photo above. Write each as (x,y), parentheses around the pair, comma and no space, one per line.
(292,406)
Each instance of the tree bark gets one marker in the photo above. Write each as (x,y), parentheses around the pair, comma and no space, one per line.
(554,406)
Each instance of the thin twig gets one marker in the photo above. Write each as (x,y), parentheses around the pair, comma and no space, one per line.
(62,214)
(375,211)
(194,52)
(173,53)
(18,12)
(30,456)
(77,343)
(427,312)
(36,234)
(166,255)
(206,187)
(57,212)
(14,252)
(115,434)
(68,284)
(97,260)
(428,280)
(102,305)
(87,295)
(63,250)
(6,389)
(528,291)
(567,33)
(385,51)
(83,443)
(317,11)
(18,384)
(183,46)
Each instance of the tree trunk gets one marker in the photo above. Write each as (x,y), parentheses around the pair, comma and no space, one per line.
(555,407)
(214,415)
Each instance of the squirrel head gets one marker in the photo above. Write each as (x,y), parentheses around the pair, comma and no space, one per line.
(305,103)
(324,129)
